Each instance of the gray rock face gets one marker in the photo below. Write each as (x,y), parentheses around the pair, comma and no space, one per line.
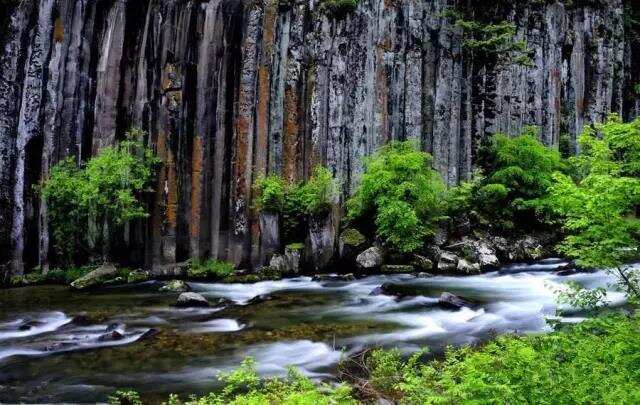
(95,278)
(287,263)
(229,90)
(191,299)
(477,251)
(370,258)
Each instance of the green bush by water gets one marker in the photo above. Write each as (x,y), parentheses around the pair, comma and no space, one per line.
(210,269)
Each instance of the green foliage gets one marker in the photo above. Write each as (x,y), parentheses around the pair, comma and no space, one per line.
(519,170)
(579,297)
(636,88)
(352,237)
(244,386)
(105,191)
(339,8)
(402,193)
(492,41)
(599,203)
(125,397)
(271,193)
(296,202)
(296,246)
(210,269)
(594,362)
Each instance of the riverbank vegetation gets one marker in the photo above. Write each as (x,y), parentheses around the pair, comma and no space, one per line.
(593,362)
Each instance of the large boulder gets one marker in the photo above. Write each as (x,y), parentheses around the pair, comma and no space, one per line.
(138,276)
(466,267)
(175,286)
(447,261)
(289,262)
(422,263)
(529,248)
(370,258)
(191,299)
(96,277)
(478,251)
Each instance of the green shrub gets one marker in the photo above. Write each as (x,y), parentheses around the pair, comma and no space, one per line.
(125,397)
(340,8)
(210,269)
(402,194)
(594,362)
(599,204)
(105,191)
(271,193)
(296,202)
(68,275)
(518,172)
(244,386)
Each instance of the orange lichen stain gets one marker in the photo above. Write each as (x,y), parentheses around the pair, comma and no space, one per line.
(290,133)
(262,118)
(58,30)
(172,192)
(196,187)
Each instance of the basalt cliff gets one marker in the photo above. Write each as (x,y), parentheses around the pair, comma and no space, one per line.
(230,89)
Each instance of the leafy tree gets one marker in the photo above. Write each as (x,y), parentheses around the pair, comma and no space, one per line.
(517,173)
(105,191)
(402,193)
(599,203)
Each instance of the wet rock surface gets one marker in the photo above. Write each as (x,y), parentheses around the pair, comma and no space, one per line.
(230,89)
(191,299)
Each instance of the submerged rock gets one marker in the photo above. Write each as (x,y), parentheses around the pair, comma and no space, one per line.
(96,277)
(175,286)
(111,336)
(191,299)
(452,301)
(27,325)
(370,258)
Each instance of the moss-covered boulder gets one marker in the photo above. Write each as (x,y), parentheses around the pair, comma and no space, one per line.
(96,277)
(175,286)
(138,276)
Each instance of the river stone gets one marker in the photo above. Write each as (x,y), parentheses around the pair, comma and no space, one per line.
(452,301)
(396,268)
(96,277)
(422,263)
(191,299)
(175,286)
(466,267)
(476,251)
(334,277)
(138,276)
(447,261)
(111,336)
(287,263)
(370,258)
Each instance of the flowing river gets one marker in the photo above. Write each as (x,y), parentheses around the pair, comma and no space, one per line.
(57,345)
